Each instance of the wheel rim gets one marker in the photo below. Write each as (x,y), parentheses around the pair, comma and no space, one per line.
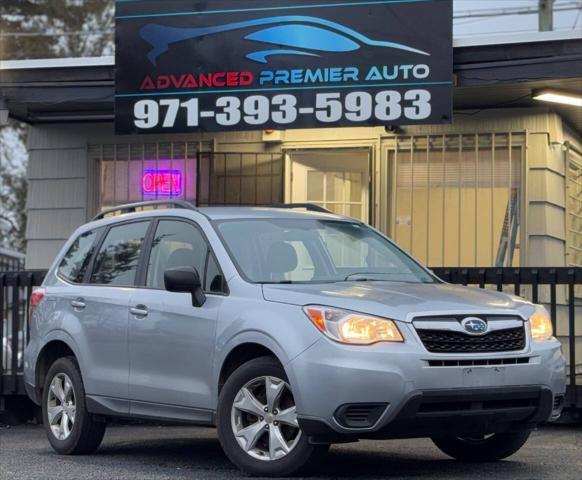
(61,406)
(264,419)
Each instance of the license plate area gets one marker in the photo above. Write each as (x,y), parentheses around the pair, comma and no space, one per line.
(483,376)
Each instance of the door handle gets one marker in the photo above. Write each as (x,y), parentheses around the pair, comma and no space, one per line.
(139,311)
(78,304)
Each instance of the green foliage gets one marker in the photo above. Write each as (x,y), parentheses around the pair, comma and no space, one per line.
(56,28)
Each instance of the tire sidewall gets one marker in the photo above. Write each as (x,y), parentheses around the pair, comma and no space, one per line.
(498,447)
(293,461)
(67,366)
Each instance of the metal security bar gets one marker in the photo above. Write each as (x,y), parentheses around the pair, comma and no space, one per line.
(137,172)
(543,283)
(457,199)
(240,179)
(574,207)
(130,173)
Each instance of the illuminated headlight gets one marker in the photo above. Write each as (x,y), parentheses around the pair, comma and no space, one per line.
(352,328)
(541,325)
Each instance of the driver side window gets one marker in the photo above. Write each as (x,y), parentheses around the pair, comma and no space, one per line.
(177,244)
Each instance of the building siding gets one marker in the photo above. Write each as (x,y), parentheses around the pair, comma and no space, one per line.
(57,190)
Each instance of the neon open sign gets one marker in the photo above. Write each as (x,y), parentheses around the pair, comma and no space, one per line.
(162,183)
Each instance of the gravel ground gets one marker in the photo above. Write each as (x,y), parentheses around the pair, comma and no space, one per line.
(145,452)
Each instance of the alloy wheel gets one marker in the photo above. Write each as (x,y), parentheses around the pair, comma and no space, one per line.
(61,406)
(264,419)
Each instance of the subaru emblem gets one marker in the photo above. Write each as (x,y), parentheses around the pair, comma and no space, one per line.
(475,326)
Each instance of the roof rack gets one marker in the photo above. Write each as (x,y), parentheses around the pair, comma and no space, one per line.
(310,207)
(132,207)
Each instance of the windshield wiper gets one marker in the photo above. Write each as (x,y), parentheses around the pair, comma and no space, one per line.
(282,282)
(364,277)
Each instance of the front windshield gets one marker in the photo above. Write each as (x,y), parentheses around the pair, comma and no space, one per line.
(315,251)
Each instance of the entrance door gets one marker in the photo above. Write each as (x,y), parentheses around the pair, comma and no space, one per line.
(337,180)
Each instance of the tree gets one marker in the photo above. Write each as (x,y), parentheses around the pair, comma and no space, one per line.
(56,28)
(41,29)
(13,187)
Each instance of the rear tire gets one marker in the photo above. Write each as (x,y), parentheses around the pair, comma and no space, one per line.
(290,451)
(70,429)
(488,449)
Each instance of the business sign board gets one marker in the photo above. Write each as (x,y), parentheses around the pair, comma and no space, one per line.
(185,66)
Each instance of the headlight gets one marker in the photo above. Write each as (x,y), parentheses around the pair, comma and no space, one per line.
(352,328)
(541,325)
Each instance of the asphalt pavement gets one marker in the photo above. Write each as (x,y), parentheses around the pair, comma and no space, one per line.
(150,452)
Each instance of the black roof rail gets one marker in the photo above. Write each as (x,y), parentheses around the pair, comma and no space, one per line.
(132,207)
(310,207)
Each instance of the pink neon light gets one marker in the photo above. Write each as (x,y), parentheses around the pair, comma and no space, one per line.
(166,183)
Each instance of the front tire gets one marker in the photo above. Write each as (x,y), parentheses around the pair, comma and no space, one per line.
(485,449)
(70,429)
(257,422)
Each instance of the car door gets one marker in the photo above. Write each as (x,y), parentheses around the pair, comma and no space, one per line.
(171,343)
(104,304)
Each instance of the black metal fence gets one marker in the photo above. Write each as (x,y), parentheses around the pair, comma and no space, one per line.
(559,288)
(15,290)
(11,261)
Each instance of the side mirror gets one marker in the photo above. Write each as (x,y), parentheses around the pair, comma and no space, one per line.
(185,280)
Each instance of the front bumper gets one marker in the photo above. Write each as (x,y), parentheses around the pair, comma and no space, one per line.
(432,413)
(401,381)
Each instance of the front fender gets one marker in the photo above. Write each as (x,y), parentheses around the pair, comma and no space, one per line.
(281,328)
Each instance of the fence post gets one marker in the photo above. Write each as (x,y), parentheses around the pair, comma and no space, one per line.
(2,285)
(15,332)
(572,336)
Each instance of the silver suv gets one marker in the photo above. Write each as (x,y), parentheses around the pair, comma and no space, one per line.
(289,330)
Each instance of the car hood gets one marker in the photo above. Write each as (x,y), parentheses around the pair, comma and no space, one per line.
(400,301)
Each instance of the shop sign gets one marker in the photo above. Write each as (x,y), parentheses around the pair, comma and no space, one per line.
(186,65)
(161,183)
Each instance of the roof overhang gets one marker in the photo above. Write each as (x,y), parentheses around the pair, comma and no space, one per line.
(490,72)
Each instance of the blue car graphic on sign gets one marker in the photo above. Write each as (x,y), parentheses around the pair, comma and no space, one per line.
(292,35)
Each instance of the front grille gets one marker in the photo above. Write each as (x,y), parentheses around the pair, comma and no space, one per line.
(478,363)
(484,405)
(443,341)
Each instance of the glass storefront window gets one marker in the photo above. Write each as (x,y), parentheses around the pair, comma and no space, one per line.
(130,173)
(333,179)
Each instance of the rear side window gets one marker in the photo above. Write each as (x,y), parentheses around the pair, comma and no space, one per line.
(74,264)
(117,260)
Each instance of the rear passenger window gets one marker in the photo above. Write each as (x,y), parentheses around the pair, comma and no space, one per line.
(176,244)
(117,259)
(74,264)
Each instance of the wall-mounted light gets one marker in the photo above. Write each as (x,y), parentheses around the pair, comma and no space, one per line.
(4,112)
(558,96)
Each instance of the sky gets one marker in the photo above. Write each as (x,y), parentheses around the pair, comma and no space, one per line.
(563,21)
